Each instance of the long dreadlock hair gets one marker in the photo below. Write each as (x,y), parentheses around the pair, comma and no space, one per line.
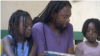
(53,7)
(97,26)
(46,15)
(13,28)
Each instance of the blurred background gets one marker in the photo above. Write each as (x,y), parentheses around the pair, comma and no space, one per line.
(81,11)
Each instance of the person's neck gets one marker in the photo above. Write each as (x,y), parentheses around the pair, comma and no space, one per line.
(20,39)
(92,43)
(52,26)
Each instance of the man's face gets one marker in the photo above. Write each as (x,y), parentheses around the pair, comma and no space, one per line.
(62,18)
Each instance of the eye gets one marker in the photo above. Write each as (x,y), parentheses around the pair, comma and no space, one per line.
(64,17)
(94,31)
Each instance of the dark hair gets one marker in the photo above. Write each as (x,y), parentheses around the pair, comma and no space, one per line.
(46,15)
(97,26)
(53,7)
(13,28)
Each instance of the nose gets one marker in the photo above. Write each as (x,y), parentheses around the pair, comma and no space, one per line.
(29,27)
(67,19)
(90,32)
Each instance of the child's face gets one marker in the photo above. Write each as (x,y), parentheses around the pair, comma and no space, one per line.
(91,33)
(28,27)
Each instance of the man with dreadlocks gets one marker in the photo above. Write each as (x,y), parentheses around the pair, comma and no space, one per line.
(19,42)
(52,30)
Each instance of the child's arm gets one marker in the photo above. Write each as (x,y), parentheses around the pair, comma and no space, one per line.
(79,49)
(7,49)
(33,50)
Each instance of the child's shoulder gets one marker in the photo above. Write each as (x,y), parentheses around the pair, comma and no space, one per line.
(7,38)
(79,47)
(81,43)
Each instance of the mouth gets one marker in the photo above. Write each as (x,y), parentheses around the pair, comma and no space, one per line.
(65,25)
(29,33)
(90,37)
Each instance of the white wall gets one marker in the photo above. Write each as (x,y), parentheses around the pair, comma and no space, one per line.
(81,10)
(8,7)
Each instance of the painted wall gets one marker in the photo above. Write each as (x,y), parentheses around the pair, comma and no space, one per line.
(81,10)
(8,7)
